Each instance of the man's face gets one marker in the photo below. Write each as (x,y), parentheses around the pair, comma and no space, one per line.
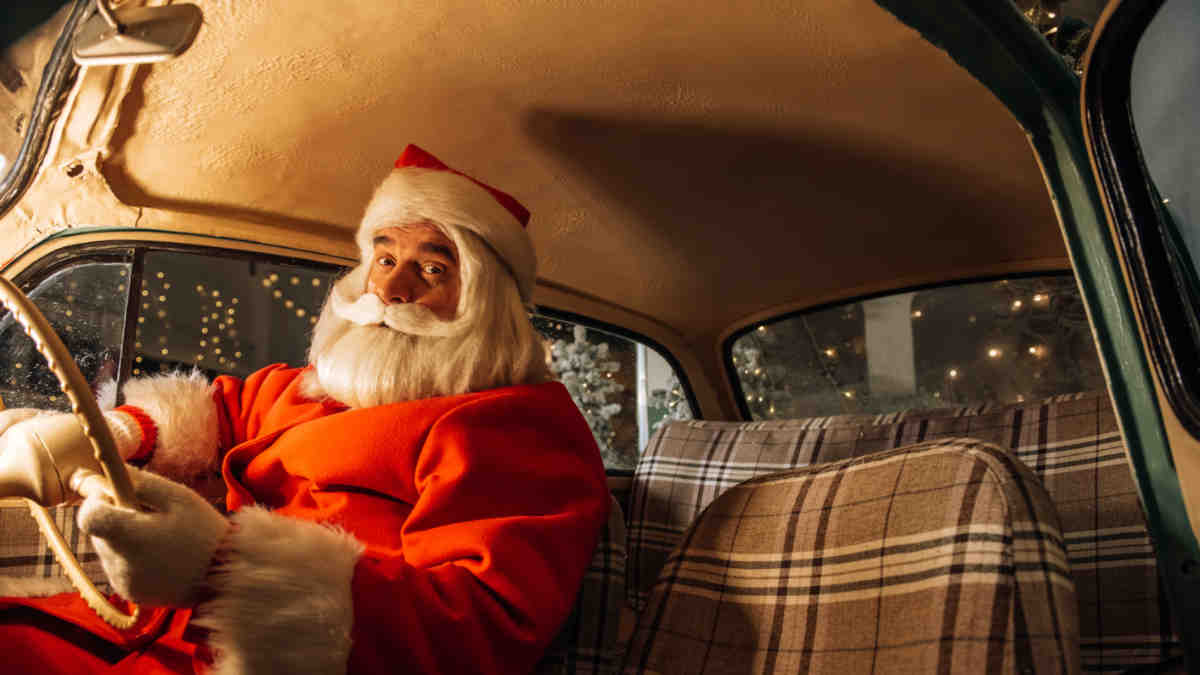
(417,264)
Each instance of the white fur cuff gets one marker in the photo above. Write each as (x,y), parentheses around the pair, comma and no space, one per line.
(283,600)
(185,417)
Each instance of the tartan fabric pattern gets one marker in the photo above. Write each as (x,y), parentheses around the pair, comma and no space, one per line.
(587,643)
(940,557)
(685,466)
(24,552)
(1071,442)
(619,485)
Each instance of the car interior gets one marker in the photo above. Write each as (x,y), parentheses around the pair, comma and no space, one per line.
(883,313)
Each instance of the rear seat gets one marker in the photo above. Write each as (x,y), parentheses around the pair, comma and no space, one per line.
(939,557)
(1071,443)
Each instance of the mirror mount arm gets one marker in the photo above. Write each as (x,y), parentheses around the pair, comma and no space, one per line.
(106,13)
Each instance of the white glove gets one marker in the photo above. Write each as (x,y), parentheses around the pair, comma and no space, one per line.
(158,556)
(46,457)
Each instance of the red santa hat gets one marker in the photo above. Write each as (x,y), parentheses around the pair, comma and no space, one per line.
(422,188)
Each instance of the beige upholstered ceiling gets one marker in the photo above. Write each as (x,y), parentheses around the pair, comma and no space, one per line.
(698,163)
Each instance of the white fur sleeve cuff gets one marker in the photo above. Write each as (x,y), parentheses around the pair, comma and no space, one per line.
(185,417)
(282,600)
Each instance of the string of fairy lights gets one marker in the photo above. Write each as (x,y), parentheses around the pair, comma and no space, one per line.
(70,298)
(750,368)
(217,331)
(177,322)
(274,284)
(994,352)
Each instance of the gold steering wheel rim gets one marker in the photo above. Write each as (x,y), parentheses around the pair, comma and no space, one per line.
(84,406)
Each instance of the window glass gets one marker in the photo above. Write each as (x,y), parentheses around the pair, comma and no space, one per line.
(625,389)
(1001,341)
(85,304)
(1149,159)
(225,314)
(232,314)
(1165,104)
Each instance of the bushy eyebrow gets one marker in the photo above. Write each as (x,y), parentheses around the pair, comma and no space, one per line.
(430,247)
(423,247)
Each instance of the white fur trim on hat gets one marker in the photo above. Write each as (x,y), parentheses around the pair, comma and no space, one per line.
(411,195)
(283,601)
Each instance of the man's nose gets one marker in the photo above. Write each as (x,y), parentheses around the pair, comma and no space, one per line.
(398,287)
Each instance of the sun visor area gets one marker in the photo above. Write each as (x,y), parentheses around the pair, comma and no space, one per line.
(68,190)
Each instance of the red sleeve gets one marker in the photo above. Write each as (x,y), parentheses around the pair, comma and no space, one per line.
(241,404)
(186,424)
(512,497)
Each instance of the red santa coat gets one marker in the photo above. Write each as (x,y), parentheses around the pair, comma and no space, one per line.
(472,519)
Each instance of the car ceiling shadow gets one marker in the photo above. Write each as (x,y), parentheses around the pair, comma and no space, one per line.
(688,176)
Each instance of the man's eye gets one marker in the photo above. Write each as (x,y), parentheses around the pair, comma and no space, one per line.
(384,262)
(432,269)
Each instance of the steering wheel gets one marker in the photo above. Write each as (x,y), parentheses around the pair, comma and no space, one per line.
(83,404)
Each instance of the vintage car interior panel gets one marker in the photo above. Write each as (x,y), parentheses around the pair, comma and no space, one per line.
(683,200)
(1148,233)
(1043,95)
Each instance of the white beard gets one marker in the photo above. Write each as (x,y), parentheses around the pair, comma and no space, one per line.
(366,353)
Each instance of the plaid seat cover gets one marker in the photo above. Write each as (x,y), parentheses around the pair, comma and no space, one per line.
(587,643)
(940,557)
(1071,442)
(24,552)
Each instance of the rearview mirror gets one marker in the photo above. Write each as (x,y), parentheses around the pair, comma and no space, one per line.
(136,34)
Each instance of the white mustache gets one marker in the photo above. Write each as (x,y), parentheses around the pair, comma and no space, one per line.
(368,310)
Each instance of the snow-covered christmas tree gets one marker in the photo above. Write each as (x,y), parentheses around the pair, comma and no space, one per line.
(586,371)
(763,385)
(668,404)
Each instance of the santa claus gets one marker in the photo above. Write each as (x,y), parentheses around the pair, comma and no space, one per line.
(420,498)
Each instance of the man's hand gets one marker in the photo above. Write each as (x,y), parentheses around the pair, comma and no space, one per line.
(44,457)
(10,417)
(157,555)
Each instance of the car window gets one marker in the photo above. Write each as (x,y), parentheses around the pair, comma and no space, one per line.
(231,313)
(85,304)
(223,313)
(1142,109)
(1003,341)
(625,388)
(1164,113)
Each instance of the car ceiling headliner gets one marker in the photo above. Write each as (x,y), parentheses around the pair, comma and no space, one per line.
(699,163)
